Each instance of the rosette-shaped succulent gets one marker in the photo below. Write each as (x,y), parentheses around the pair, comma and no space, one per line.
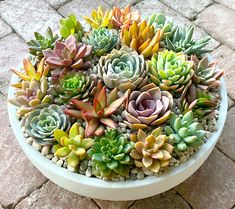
(100,18)
(70,26)
(42,122)
(31,73)
(148,107)
(123,18)
(171,71)
(72,146)
(124,69)
(103,40)
(207,74)
(182,41)
(151,150)
(142,38)
(184,132)
(75,85)
(110,155)
(41,43)
(70,54)
(97,114)
(30,95)
(159,20)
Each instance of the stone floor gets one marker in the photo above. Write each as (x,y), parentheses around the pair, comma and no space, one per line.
(23,186)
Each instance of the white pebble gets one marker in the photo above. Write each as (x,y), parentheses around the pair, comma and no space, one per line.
(70,168)
(54,159)
(147,172)
(140,175)
(59,162)
(36,146)
(45,150)
(49,156)
(88,171)
(183,158)
(134,171)
(29,140)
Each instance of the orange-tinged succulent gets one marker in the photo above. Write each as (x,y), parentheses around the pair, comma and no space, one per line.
(31,73)
(123,18)
(142,38)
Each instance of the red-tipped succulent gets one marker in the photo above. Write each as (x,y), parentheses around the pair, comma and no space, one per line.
(97,114)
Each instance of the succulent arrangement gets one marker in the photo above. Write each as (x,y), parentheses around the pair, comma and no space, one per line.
(126,98)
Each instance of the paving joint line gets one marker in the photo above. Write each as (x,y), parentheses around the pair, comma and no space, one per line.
(196,16)
(63,4)
(226,155)
(233,206)
(191,207)
(95,203)
(132,204)
(13,205)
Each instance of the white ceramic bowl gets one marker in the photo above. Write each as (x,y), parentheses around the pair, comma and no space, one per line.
(123,190)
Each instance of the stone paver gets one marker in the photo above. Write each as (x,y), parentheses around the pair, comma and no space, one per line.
(226,60)
(230,102)
(227,139)
(113,204)
(215,20)
(56,4)
(4,28)
(228,3)
(51,196)
(12,50)
(212,186)
(148,7)
(18,176)
(189,10)
(167,200)
(122,3)
(29,16)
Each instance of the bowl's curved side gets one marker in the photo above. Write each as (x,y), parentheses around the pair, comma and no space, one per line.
(123,190)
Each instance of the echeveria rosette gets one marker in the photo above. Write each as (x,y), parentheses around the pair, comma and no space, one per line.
(72,146)
(182,41)
(171,71)
(76,85)
(40,43)
(124,69)
(103,40)
(184,132)
(69,54)
(41,123)
(70,26)
(110,155)
(31,95)
(148,107)
(151,150)
(97,113)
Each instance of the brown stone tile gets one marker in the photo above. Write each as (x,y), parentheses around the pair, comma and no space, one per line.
(104,204)
(189,9)
(218,21)
(213,185)
(4,28)
(25,16)
(227,139)
(167,200)
(226,60)
(51,196)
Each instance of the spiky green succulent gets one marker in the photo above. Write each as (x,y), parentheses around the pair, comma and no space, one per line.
(110,154)
(41,123)
(41,43)
(171,71)
(184,132)
(70,26)
(103,40)
(75,85)
(159,20)
(72,146)
(182,41)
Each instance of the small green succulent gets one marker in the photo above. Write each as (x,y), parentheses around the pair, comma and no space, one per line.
(103,40)
(184,132)
(41,43)
(70,26)
(73,85)
(182,41)
(72,146)
(41,123)
(110,154)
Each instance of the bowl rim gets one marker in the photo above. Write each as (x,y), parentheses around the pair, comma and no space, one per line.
(98,183)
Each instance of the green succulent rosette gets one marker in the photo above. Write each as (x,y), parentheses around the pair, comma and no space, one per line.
(184,132)
(123,68)
(41,123)
(110,154)
(75,85)
(103,40)
(171,71)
